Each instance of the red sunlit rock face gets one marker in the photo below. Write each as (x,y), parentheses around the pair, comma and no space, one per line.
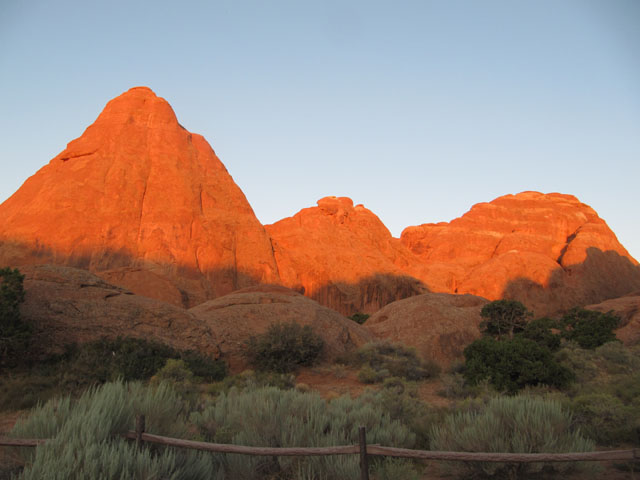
(343,257)
(144,203)
(547,250)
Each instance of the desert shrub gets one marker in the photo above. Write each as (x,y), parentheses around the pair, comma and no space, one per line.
(359,318)
(402,402)
(519,424)
(202,366)
(107,359)
(396,469)
(15,334)
(616,358)
(510,365)
(606,419)
(20,392)
(276,418)
(580,361)
(611,368)
(627,388)
(368,375)
(284,347)
(455,387)
(541,331)
(131,359)
(84,442)
(589,328)
(503,318)
(380,360)
(250,379)
(174,371)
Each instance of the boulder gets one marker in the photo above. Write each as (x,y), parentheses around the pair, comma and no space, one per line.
(250,311)
(438,325)
(67,305)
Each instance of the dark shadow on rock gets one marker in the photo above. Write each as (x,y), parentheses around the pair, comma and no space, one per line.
(187,287)
(369,294)
(603,275)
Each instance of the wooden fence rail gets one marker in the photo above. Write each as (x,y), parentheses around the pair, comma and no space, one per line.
(363,449)
(372,449)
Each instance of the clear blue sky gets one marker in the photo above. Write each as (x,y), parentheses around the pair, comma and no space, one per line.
(416,109)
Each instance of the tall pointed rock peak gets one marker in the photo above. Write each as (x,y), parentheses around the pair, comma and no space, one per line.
(138,106)
(143,202)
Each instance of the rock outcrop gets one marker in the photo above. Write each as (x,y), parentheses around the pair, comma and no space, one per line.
(148,206)
(250,311)
(144,203)
(547,250)
(343,257)
(438,325)
(628,309)
(68,305)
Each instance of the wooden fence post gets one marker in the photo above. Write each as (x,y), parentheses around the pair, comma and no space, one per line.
(139,430)
(364,462)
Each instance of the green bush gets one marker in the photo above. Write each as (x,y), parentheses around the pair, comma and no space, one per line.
(589,328)
(249,379)
(627,388)
(174,371)
(583,363)
(94,363)
(131,359)
(401,401)
(15,334)
(510,365)
(611,368)
(284,347)
(503,318)
(606,419)
(380,360)
(271,417)
(84,442)
(542,332)
(359,318)
(519,424)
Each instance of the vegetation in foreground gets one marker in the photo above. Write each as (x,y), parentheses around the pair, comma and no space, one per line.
(527,385)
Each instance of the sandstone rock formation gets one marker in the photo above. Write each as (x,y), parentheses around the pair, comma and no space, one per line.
(250,311)
(67,305)
(438,325)
(143,202)
(628,309)
(547,250)
(343,257)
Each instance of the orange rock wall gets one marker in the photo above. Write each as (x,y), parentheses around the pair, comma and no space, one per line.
(146,205)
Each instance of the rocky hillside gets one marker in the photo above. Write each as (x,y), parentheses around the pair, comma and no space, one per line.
(148,206)
(144,203)
(551,252)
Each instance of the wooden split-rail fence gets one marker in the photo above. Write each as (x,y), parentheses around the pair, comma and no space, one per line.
(363,449)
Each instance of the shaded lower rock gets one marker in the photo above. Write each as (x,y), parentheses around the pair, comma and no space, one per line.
(250,311)
(438,325)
